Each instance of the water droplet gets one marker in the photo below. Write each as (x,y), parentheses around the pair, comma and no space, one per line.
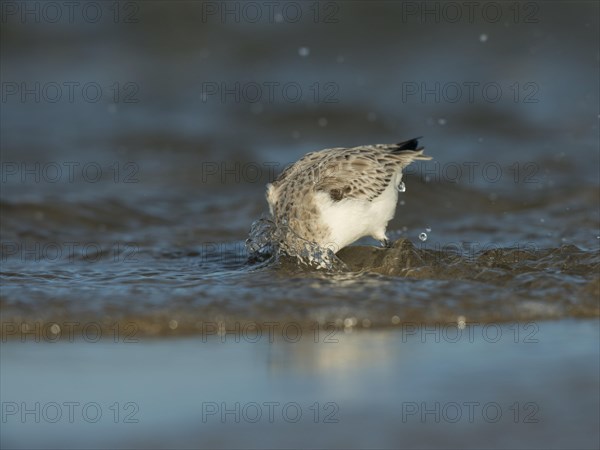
(322,122)
(340,59)
(423,237)
(401,187)
(55,328)
(428,229)
(442,121)
(278,17)
(350,322)
(173,324)
(402,203)
(483,37)
(395,320)
(304,51)
(296,134)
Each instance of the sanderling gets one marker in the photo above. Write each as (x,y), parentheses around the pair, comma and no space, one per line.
(335,196)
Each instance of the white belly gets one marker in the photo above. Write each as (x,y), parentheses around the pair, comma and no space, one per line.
(351,219)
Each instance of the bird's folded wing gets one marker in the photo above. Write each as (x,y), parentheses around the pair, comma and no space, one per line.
(357,178)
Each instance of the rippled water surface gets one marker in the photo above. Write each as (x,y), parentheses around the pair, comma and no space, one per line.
(163,256)
(134,208)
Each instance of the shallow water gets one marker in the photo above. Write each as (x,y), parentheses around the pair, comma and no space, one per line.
(116,209)
(128,214)
(148,263)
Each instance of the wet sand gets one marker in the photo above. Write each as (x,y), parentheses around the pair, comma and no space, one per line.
(509,387)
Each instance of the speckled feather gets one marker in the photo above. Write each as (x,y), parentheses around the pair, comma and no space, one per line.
(349,178)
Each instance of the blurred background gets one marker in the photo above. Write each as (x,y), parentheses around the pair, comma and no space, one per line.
(136,141)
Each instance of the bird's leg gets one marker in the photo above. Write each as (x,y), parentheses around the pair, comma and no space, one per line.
(382,238)
(386,243)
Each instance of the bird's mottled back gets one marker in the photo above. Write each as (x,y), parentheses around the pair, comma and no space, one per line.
(343,176)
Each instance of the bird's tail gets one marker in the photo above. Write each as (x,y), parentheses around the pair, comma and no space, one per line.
(410,150)
(411,144)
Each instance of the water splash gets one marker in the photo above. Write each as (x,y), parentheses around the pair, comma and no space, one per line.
(260,243)
(268,240)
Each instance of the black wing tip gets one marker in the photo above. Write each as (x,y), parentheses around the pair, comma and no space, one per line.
(411,144)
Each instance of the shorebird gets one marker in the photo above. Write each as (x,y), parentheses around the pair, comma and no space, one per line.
(336,196)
